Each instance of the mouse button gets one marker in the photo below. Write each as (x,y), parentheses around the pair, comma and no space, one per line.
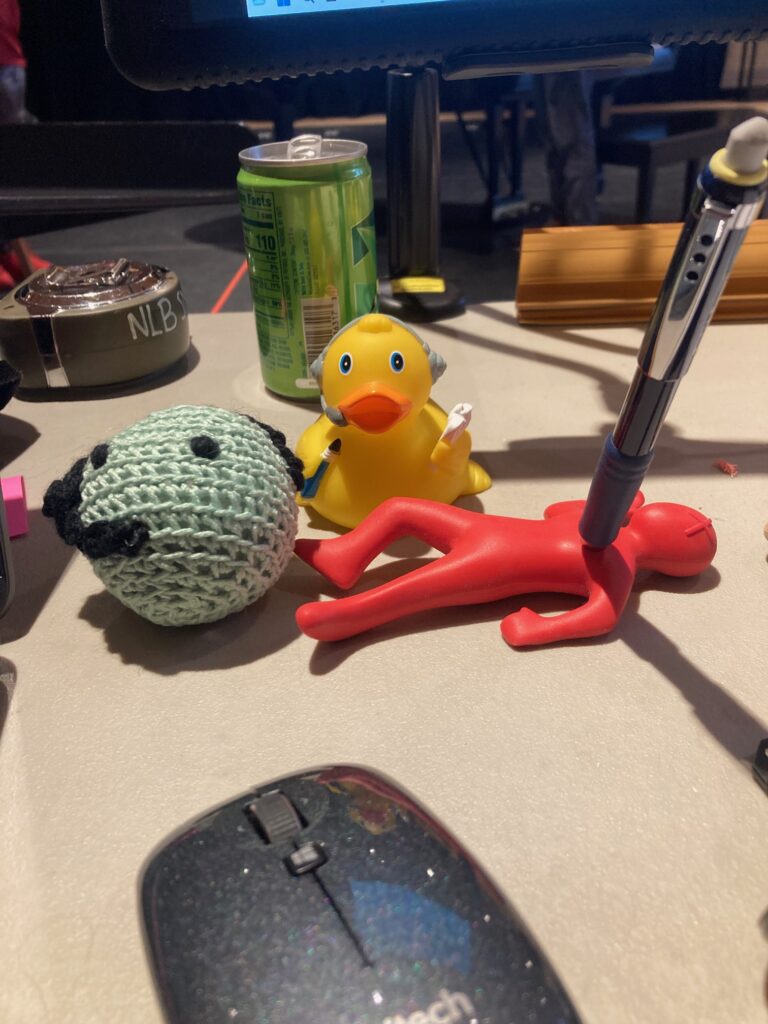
(223,825)
(397,923)
(199,850)
(423,943)
(395,848)
(260,947)
(356,808)
(208,887)
(507,972)
(221,821)
(308,857)
(409,897)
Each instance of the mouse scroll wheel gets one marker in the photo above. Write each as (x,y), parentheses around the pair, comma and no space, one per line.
(275,817)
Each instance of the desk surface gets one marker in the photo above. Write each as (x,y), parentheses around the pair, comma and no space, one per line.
(605,784)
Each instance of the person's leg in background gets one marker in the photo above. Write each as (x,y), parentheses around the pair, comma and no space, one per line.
(17,260)
(564,115)
(13,89)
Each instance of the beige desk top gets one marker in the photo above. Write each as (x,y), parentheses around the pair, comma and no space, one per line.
(605,785)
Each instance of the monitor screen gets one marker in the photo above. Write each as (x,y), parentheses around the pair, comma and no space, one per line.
(262,8)
(213,11)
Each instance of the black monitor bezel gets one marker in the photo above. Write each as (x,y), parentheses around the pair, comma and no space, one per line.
(158,45)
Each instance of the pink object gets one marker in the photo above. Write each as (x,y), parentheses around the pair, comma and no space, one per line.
(486,558)
(726,467)
(15,501)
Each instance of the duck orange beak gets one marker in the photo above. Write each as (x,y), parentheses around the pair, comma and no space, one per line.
(375,408)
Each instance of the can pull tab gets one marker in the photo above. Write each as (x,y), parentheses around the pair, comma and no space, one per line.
(106,274)
(117,273)
(305,147)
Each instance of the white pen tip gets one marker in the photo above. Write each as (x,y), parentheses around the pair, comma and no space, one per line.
(747,146)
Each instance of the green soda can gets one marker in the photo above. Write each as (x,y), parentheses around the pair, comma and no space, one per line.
(310,239)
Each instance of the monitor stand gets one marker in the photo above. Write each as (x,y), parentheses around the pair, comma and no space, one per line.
(414,289)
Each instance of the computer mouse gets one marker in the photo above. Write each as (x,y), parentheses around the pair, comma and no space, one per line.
(333,897)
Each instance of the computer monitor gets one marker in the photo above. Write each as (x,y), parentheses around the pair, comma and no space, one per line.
(163,44)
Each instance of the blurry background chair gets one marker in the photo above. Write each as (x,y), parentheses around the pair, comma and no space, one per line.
(62,169)
(656,138)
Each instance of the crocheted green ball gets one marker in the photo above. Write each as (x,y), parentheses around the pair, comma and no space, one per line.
(186,516)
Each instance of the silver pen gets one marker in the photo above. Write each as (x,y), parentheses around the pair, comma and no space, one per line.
(728,197)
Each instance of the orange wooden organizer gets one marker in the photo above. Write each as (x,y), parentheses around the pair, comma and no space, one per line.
(612,274)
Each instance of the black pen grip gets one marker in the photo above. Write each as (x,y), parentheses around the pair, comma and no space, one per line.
(614,485)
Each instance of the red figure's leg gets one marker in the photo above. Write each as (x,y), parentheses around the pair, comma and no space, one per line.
(609,579)
(440,584)
(343,560)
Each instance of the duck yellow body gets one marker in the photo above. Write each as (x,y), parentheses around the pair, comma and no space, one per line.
(375,378)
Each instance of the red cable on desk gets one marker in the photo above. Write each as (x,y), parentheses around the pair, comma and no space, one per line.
(222,299)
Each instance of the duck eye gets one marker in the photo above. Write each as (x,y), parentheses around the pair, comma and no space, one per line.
(345,363)
(205,447)
(397,362)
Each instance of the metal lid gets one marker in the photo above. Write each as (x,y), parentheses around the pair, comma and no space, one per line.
(88,285)
(303,149)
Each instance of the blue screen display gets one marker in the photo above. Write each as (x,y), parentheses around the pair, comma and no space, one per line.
(262,8)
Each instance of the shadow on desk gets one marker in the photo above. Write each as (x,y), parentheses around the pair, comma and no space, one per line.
(266,626)
(567,458)
(576,457)
(734,728)
(223,232)
(7,683)
(39,561)
(159,379)
(732,725)
(611,387)
(16,436)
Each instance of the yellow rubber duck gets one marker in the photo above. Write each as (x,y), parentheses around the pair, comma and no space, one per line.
(380,434)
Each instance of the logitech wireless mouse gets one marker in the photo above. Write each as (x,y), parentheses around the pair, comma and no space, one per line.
(332,897)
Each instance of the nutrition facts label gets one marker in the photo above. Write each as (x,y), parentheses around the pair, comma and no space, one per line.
(263,246)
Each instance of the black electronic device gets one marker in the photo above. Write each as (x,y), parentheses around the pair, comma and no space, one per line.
(334,897)
(9,380)
(6,565)
(164,44)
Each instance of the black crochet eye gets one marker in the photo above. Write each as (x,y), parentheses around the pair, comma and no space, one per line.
(99,455)
(205,447)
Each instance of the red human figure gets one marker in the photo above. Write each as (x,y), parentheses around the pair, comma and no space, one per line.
(486,558)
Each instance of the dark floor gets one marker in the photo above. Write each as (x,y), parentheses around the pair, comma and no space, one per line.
(204,244)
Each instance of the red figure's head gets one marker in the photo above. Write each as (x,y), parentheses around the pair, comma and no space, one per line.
(673,539)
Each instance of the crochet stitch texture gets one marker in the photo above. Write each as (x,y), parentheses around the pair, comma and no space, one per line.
(203,504)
